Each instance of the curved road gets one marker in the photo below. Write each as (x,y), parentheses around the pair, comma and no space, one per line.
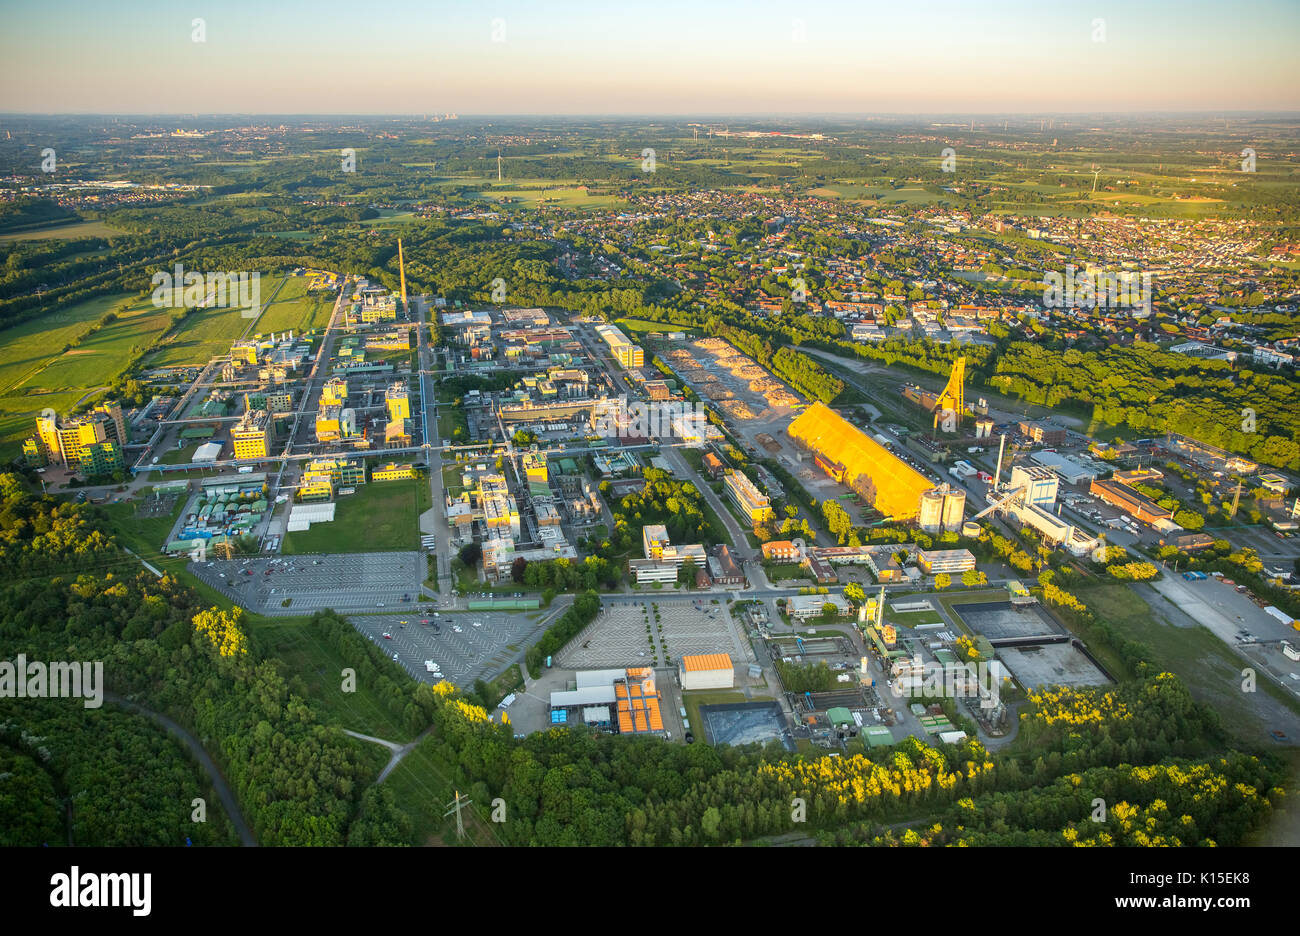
(201,755)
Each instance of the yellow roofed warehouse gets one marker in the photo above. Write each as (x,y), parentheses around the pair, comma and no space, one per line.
(707,671)
(884,480)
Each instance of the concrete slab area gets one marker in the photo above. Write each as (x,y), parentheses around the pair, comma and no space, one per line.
(1058,664)
(1000,620)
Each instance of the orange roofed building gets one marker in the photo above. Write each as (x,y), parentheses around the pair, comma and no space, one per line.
(706,671)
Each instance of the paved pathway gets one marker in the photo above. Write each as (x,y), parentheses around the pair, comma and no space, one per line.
(205,761)
(399,750)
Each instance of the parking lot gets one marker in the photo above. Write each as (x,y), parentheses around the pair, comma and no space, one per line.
(349,582)
(466,646)
(618,635)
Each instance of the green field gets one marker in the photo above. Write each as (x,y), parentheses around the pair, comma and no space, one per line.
(536,193)
(206,333)
(142,535)
(293,308)
(26,349)
(37,374)
(637,326)
(65,231)
(382,516)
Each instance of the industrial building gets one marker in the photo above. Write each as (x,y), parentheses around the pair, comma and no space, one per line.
(624,351)
(393,471)
(1044,433)
(206,454)
(274,402)
(335,392)
(885,481)
(627,698)
(706,671)
(329,423)
(1138,476)
(1040,484)
(935,561)
(397,400)
(754,505)
(1070,470)
(1054,530)
(654,541)
(322,476)
(1131,502)
(251,437)
(91,443)
(802,607)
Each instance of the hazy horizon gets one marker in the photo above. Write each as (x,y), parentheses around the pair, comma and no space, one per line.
(582,58)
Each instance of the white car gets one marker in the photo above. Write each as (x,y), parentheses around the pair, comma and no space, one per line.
(1295,676)
(394,656)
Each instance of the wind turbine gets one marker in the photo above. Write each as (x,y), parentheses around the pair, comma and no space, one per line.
(1096,172)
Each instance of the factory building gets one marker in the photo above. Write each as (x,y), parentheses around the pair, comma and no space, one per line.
(654,541)
(251,437)
(393,471)
(1055,531)
(398,402)
(885,481)
(706,671)
(935,561)
(1040,484)
(1138,476)
(753,504)
(1044,433)
(535,469)
(1129,501)
(1071,471)
(327,422)
(323,475)
(624,351)
(335,392)
(90,444)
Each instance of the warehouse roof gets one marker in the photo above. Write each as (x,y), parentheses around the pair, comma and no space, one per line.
(840,716)
(592,695)
(895,488)
(706,661)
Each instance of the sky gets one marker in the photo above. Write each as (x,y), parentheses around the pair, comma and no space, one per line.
(647,56)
